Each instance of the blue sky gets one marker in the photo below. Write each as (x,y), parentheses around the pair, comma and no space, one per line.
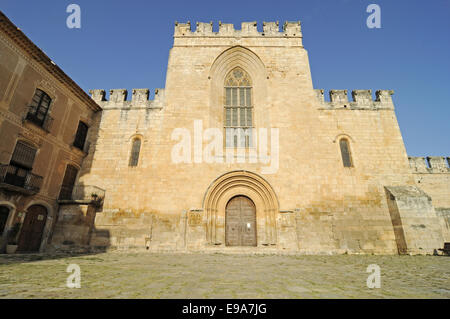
(125,44)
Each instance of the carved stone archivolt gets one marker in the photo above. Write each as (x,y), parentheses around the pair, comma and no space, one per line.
(247,184)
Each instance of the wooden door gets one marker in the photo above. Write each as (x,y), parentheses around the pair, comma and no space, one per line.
(32,229)
(240,222)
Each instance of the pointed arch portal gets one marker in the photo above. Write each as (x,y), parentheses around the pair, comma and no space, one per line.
(241,184)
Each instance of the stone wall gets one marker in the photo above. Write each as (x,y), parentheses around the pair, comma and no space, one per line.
(443,215)
(432,174)
(417,228)
(311,203)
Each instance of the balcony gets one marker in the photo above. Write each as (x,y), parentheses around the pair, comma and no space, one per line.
(45,124)
(81,194)
(19,180)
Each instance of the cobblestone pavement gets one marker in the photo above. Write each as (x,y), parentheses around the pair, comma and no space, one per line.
(151,275)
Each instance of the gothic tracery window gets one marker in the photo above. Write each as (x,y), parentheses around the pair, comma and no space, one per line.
(238,109)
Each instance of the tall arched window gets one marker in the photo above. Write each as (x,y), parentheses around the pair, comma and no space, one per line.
(135,149)
(345,152)
(238,109)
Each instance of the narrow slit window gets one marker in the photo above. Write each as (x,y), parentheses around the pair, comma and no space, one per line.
(135,150)
(345,152)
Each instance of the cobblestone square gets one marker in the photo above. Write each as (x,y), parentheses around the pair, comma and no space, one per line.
(155,275)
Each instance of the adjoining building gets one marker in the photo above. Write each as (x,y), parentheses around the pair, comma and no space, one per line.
(44,125)
(237,153)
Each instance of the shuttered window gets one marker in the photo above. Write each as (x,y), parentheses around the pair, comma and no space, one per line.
(238,109)
(345,152)
(39,107)
(135,150)
(23,155)
(80,137)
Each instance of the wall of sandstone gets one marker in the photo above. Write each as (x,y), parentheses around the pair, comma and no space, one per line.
(323,206)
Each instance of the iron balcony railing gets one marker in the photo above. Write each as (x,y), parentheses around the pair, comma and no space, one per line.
(21,179)
(45,123)
(82,193)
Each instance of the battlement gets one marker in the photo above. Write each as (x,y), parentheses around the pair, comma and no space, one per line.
(118,98)
(430,164)
(362,99)
(248,29)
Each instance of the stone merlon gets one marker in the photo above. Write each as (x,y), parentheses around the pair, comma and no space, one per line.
(119,97)
(248,29)
(436,164)
(361,99)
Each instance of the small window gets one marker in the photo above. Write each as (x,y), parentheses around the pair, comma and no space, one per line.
(68,182)
(80,137)
(23,155)
(20,165)
(135,150)
(345,152)
(39,107)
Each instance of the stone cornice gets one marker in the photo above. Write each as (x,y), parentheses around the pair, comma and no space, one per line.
(36,56)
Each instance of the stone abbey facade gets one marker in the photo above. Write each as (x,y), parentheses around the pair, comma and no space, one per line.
(240,153)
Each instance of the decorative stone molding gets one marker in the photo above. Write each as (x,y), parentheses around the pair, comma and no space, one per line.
(247,184)
(31,136)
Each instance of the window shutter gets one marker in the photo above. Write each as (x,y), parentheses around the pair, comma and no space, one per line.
(23,155)
(80,137)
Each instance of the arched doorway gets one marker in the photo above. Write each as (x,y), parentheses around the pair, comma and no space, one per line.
(240,222)
(32,229)
(240,183)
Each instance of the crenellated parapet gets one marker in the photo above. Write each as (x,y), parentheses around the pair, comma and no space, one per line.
(430,164)
(361,99)
(140,95)
(98,95)
(248,29)
(118,98)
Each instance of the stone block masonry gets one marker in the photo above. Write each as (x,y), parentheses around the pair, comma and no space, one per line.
(314,203)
